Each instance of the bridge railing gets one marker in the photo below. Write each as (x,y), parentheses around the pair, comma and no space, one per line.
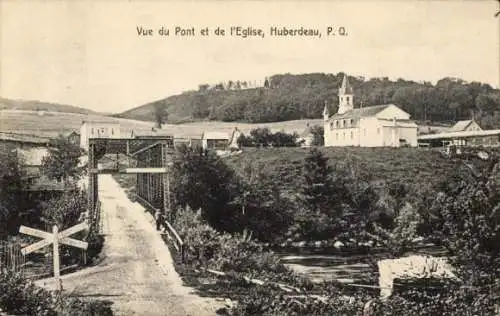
(169,229)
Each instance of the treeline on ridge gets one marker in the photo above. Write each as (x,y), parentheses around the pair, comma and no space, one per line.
(290,97)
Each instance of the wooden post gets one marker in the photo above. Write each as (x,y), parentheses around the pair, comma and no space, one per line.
(57,277)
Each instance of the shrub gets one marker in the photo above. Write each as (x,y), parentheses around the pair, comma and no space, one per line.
(269,301)
(95,244)
(455,301)
(21,297)
(77,307)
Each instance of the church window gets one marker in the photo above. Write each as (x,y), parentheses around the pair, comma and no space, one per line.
(331,126)
(352,122)
(344,135)
(337,124)
(112,131)
(347,99)
(343,123)
(337,136)
(352,135)
(92,132)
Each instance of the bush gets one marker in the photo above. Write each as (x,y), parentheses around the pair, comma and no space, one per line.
(268,301)
(96,242)
(77,307)
(452,302)
(225,252)
(19,296)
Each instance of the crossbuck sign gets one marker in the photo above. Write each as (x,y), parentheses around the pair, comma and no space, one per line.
(54,238)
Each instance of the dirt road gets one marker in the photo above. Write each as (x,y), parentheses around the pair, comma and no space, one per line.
(137,271)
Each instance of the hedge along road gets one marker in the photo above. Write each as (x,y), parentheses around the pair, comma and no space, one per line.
(137,272)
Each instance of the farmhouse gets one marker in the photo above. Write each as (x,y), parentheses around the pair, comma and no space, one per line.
(188,140)
(465,126)
(73,137)
(98,129)
(373,126)
(306,138)
(30,151)
(215,140)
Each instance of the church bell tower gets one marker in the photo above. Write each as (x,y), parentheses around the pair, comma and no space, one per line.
(346,96)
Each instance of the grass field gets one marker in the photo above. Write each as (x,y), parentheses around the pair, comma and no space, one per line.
(410,166)
(52,123)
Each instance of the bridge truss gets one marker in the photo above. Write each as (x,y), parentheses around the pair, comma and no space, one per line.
(147,157)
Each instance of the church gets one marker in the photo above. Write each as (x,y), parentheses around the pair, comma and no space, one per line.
(383,125)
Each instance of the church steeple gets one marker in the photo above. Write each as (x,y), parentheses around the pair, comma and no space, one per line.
(326,113)
(346,95)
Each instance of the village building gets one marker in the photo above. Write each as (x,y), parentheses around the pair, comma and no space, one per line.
(30,151)
(306,138)
(372,126)
(465,126)
(463,133)
(98,129)
(221,141)
(188,140)
(215,140)
(73,137)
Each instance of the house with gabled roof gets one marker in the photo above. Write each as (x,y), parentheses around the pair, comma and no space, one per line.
(306,138)
(465,126)
(215,140)
(371,126)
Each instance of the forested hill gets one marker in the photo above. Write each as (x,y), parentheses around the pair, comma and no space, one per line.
(290,97)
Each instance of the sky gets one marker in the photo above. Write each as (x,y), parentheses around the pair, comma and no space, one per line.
(89,54)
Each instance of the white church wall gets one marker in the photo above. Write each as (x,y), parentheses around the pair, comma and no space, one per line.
(370,132)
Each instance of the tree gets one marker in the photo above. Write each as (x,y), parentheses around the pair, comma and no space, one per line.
(62,161)
(318,135)
(282,139)
(467,220)
(161,114)
(11,188)
(200,106)
(64,211)
(401,238)
(322,198)
(261,136)
(201,179)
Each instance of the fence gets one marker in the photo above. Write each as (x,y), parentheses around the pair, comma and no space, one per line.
(11,258)
(169,230)
(94,220)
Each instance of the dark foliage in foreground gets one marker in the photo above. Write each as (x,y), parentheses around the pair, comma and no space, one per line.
(19,296)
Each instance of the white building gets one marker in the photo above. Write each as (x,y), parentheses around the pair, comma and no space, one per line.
(98,129)
(372,126)
(465,126)
(306,138)
(215,140)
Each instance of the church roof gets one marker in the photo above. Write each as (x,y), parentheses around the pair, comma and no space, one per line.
(346,87)
(363,112)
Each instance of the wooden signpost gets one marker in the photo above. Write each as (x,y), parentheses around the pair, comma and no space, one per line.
(54,238)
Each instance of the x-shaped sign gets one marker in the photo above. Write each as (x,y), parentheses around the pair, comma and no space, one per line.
(48,238)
